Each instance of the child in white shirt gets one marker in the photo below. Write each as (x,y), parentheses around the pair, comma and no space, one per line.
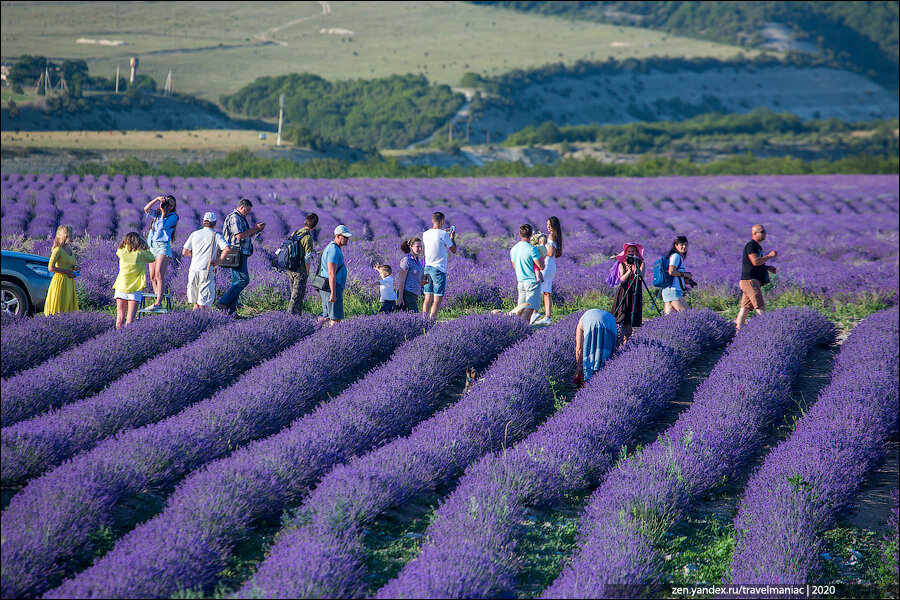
(388,293)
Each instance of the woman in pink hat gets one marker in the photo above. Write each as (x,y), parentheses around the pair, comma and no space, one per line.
(628,302)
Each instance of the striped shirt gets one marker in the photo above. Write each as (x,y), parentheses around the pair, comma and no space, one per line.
(600,337)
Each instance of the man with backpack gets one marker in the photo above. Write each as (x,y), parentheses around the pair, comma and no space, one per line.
(296,256)
(754,275)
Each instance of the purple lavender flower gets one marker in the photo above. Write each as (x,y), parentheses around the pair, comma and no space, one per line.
(87,368)
(32,341)
(807,479)
(470,547)
(50,523)
(187,545)
(155,390)
(710,442)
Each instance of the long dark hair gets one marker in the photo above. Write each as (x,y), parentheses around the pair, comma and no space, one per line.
(681,239)
(557,231)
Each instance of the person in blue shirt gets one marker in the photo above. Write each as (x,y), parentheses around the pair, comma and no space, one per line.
(162,210)
(596,338)
(524,257)
(334,270)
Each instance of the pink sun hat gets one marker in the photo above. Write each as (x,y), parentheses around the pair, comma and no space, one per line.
(621,255)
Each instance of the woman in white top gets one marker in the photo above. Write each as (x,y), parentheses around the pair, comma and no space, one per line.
(554,250)
(673,295)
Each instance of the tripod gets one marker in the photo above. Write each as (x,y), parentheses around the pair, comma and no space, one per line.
(632,290)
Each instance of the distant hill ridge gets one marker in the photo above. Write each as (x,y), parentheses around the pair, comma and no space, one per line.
(861,36)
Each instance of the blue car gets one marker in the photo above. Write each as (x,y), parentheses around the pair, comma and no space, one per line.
(26,280)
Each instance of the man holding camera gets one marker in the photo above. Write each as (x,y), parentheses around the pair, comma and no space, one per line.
(238,232)
(754,275)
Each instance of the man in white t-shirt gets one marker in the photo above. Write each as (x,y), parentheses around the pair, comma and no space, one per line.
(201,287)
(437,241)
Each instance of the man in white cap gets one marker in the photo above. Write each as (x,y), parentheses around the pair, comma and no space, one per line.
(199,246)
(334,270)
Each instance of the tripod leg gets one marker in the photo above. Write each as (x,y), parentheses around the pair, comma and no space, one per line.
(652,299)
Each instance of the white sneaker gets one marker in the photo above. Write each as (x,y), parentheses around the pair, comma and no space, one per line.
(544,321)
(534,318)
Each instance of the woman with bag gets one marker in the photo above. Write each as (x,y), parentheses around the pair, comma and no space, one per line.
(162,230)
(673,295)
(411,275)
(333,270)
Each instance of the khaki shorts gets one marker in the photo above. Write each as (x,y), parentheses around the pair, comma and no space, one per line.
(752,297)
(530,293)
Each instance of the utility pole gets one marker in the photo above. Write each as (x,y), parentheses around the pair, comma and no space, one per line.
(450,133)
(280,118)
(117,80)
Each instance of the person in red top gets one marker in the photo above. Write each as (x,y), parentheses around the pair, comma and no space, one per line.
(754,275)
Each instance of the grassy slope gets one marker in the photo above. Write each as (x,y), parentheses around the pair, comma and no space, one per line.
(395,37)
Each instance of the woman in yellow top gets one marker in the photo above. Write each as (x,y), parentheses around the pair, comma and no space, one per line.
(61,295)
(133,254)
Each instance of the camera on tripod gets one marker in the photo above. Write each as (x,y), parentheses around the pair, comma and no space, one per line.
(633,260)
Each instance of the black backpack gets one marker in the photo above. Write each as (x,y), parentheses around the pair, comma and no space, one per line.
(290,256)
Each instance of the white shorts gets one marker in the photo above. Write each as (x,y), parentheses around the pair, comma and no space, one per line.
(136,296)
(201,287)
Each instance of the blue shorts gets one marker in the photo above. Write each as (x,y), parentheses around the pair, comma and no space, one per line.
(161,249)
(671,294)
(437,281)
(333,310)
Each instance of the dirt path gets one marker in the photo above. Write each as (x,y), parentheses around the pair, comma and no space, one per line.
(263,36)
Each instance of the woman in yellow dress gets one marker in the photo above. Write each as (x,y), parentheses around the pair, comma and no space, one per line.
(61,295)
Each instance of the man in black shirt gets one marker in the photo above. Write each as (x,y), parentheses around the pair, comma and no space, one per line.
(754,275)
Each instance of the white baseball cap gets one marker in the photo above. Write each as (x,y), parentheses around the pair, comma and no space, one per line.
(210,216)
(342,230)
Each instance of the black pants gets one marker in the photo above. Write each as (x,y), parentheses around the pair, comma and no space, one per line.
(410,302)
(387,306)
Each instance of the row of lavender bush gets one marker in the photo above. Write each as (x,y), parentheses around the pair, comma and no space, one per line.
(49,526)
(472,553)
(26,343)
(159,388)
(710,443)
(89,367)
(807,479)
(321,555)
(190,542)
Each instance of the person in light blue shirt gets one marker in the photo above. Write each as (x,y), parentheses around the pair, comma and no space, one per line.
(524,257)
(595,340)
(334,269)
(162,210)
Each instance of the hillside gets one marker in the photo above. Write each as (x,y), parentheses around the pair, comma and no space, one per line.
(216,48)
(861,36)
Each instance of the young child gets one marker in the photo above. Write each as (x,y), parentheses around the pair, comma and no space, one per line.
(542,250)
(133,254)
(388,293)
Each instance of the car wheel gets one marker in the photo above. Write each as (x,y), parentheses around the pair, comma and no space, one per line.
(13,299)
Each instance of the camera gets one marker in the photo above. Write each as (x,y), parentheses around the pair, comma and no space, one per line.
(633,260)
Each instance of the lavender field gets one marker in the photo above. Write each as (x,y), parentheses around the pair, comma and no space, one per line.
(837,235)
(350,461)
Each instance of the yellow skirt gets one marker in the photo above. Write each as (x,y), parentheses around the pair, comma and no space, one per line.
(61,295)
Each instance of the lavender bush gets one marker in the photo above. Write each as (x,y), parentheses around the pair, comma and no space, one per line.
(470,547)
(810,477)
(836,211)
(50,525)
(87,368)
(320,556)
(159,388)
(708,444)
(27,343)
(188,544)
